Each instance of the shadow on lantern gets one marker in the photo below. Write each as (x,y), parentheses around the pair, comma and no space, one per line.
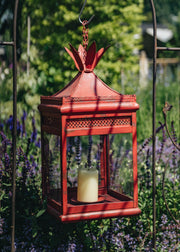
(89,147)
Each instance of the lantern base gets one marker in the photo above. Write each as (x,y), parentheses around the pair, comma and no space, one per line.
(93,215)
(109,205)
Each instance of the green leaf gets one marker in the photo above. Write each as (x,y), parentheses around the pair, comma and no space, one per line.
(41,212)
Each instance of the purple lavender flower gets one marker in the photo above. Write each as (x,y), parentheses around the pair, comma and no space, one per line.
(11,66)
(38,143)
(89,151)
(33,136)
(69,152)
(1,170)
(147,141)
(27,164)
(34,132)
(148,173)
(71,247)
(174,137)
(10,122)
(162,143)
(26,168)
(34,166)
(23,119)
(4,143)
(78,150)
(164,220)
(6,161)
(19,128)
(98,157)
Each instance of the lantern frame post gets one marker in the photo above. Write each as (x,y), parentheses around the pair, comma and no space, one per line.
(63,147)
(135,172)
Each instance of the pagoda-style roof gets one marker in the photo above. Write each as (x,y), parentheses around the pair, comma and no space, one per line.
(87,84)
(86,92)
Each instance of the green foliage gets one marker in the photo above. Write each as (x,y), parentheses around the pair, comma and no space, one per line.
(164,92)
(175,26)
(27,88)
(166,14)
(165,10)
(55,24)
(6,25)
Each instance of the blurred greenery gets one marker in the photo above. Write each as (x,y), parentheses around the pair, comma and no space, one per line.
(165,10)
(55,24)
(168,15)
(144,115)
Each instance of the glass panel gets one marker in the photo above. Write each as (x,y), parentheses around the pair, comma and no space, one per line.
(121,164)
(83,152)
(52,161)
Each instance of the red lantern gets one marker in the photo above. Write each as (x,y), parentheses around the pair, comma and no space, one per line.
(89,146)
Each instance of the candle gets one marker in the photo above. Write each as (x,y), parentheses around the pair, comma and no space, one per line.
(87,185)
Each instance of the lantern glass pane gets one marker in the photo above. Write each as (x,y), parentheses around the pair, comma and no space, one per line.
(83,152)
(121,163)
(51,156)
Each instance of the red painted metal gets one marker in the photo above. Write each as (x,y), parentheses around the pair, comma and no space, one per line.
(87,106)
(93,215)
(135,178)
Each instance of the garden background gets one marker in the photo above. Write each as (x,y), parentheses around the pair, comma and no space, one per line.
(44,69)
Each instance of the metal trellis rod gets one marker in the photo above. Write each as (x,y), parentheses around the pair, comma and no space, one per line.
(14,45)
(155,50)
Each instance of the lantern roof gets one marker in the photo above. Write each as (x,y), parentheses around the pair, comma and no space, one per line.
(86,92)
(87,84)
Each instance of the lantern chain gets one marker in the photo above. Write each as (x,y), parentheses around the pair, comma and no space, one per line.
(85,34)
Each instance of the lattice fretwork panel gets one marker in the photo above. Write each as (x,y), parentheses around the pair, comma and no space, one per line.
(98,122)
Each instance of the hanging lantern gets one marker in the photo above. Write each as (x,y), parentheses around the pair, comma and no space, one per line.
(89,146)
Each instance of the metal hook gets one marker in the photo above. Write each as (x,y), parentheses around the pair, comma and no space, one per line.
(81,13)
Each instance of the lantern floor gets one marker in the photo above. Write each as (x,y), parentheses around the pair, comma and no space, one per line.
(109,206)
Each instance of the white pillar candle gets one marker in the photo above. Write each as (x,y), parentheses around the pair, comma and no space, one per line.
(87,185)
